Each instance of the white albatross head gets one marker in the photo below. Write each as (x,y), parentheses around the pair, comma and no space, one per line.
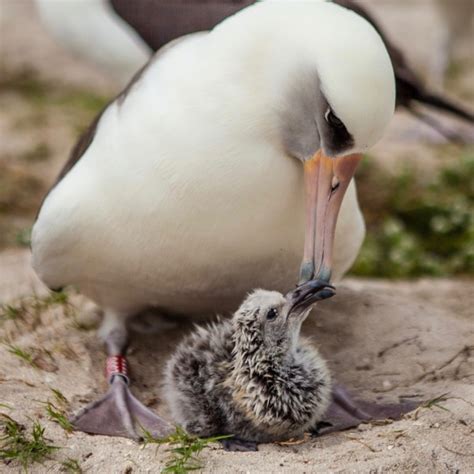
(330,80)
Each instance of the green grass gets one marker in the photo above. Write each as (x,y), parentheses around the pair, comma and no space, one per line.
(417,227)
(34,89)
(21,354)
(59,397)
(36,357)
(78,105)
(56,412)
(9,312)
(26,315)
(17,445)
(184,452)
(38,105)
(23,237)
(81,325)
(30,308)
(436,402)
(54,298)
(71,465)
(58,416)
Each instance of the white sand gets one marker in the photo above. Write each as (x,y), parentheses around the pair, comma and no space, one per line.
(382,339)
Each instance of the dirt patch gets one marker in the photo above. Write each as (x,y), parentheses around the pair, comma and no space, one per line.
(384,340)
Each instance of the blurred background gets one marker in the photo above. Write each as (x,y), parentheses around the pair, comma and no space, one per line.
(420,224)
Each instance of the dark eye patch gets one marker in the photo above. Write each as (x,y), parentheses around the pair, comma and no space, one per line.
(337,138)
(333,119)
(272,314)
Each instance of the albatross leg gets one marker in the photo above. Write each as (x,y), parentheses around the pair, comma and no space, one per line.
(118,412)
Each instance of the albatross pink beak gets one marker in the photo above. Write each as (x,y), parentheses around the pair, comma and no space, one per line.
(326,182)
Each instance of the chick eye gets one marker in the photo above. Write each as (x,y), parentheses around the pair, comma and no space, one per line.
(272,314)
(333,119)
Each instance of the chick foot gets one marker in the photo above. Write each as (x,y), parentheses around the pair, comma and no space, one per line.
(345,413)
(238,445)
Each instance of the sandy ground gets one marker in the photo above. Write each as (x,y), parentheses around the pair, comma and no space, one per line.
(383,339)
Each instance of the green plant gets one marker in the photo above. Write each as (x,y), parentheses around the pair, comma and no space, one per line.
(59,397)
(17,445)
(58,416)
(436,402)
(71,465)
(23,237)
(10,312)
(30,308)
(416,227)
(22,354)
(184,451)
(28,85)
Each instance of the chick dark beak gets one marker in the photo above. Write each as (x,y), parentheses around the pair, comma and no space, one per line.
(305,295)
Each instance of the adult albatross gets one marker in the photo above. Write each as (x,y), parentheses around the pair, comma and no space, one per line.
(190,189)
(120,35)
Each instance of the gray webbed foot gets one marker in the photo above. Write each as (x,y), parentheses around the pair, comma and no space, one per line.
(344,401)
(119,413)
(345,413)
(318,428)
(238,445)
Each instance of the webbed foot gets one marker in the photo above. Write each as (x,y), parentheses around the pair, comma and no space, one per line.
(238,445)
(319,428)
(119,413)
(345,412)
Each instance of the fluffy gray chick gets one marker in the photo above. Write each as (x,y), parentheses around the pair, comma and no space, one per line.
(252,376)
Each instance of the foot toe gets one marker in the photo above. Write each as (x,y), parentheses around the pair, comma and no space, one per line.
(239,445)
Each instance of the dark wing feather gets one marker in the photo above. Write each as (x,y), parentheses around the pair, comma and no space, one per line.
(160,21)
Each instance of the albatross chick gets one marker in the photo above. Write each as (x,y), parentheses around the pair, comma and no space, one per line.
(252,376)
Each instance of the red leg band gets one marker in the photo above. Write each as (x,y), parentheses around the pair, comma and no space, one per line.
(116,365)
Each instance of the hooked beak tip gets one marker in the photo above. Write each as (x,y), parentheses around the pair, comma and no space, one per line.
(325,294)
(308,293)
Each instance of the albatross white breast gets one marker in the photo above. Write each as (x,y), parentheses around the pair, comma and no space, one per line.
(191,192)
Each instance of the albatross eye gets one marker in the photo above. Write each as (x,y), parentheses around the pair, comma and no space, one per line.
(332,119)
(272,314)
